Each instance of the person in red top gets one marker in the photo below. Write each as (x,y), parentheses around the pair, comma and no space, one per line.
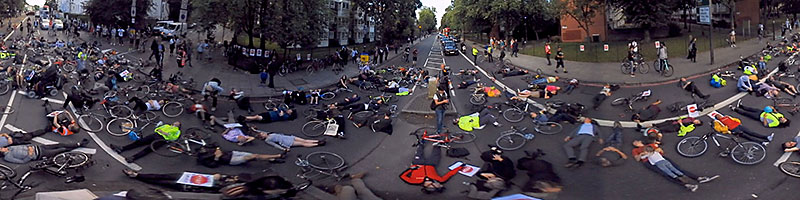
(62,121)
(547,52)
(736,127)
(640,148)
(423,170)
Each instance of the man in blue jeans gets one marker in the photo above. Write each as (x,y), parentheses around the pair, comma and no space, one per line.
(440,101)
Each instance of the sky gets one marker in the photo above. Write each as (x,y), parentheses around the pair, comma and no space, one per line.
(440,5)
(40,2)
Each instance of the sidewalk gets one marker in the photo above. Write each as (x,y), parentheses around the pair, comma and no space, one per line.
(600,73)
(203,71)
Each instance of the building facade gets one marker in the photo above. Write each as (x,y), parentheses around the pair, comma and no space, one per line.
(348,24)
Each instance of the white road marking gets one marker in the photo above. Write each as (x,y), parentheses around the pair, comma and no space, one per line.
(44,98)
(113,154)
(506,88)
(13,31)
(8,106)
(45,141)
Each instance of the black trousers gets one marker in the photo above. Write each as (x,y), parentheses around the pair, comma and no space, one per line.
(421,159)
(598,99)
(48,151)
(548,59)
(749,112)
(144,141)
(693,89)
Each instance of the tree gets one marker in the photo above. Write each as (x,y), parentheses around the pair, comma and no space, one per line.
(116,12)
(10,8)
(427,19)
(394,19)
(208,15)
(583,12)
(645,13)
(492,15)
(790,7)
(684,5)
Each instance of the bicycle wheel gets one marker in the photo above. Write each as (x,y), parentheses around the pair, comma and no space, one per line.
(782,101)
(68,67)
(327,95)
(748,153)
(172,109)
(619,101)
(5,86)
(314,128)
(692,146)
(668,71)
(539,71)
(6,109)
(6,172)
(549,128)
(148,116)
(196,134)
(510,141)
(477,100)
(90,123)
(121,111)
(791,168)
(513,115)
(657,66)
(165,148)
(677,106)
(364,114)
(71,159)
(324,160)
(462,137)
(625,67)
(141,91)
(119,127)
(643,68)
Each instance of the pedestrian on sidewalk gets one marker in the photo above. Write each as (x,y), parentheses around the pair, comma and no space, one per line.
(113,33)
(732,39)
(264,75)
(380,55)
(187,44)
(489,52)
(120,36)
(560,60)
(386,53)
(515,48)
(760,31)
(273,68)
(692,50)
(547,52)
(160,56)
(439,104)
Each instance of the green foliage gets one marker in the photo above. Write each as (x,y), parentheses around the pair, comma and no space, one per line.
(284,22)
(208,14)
(583,11)
(483,14)
(647,13)
(116,12)
(9,8)
(394,19)
(427,19)
(790,6)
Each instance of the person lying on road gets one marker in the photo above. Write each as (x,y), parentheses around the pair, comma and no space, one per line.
(22,154)
(285,142)
(476,120)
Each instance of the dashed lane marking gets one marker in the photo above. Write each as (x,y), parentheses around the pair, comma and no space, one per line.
(44,98)
(8,106)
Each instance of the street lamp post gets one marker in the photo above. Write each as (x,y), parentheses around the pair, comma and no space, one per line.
(526,27)
(773,30)
(710,30)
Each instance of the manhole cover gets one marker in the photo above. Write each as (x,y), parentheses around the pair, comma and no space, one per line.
(297,82)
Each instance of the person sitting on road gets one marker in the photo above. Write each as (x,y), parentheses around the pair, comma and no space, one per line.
(476,120)
(140,105)
(79,99)
(21,154)
(242,101)
(783,86)
(728,124)
(602,96)
(744,84)
(218,157)
(423,170)
(640,149)
(275,115)
(168,132)
(691,87)
(63,122)
(343,82)
(769,117)
(647,113)
(285,142)
(682,125)
(492,178)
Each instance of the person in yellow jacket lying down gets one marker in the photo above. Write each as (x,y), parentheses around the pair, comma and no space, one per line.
(476,120)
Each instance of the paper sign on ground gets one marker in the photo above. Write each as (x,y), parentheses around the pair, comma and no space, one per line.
(195,179)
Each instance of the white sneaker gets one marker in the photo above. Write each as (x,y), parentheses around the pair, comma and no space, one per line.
(480,127)
(770,137)
(691,187)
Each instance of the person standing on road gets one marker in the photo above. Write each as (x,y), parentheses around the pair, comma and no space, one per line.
(439,104)
(474,54)
(212,89)
(380,55)
(121,36)
(692,50)
(515,48)
(547,52)
(113,33)
(582,137)
(154,49)
(414,54)
(172,46)
(560,60)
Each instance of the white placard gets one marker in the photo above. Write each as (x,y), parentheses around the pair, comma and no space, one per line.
(195,179)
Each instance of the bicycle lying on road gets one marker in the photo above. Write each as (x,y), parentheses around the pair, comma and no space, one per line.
(745,153)
(513,139)
(189,143)
(321,163)
(442,139)
(641,96)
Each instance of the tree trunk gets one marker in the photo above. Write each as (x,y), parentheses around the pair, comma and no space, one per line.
(685,17)
(647,34)
(733,14)
(588,35)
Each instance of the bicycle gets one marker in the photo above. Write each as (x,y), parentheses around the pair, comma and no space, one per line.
(124,126)
(638,63)
(58,166)
(272,104)
(316,128)
(442,139)
(517,112)
(183,145)
(547,128)
(311,113)
(174,106)
(91,121)
(478,97)
(663,67)
(785,103)
(681,106)
(387,99)
(745,153)
(321,163)
(5,82)
(641,96)
(513,139)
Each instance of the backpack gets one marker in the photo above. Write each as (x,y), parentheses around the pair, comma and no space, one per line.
(717,82)
(457,152)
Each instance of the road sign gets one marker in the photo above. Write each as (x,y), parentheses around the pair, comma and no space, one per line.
(704,14)
(692,109)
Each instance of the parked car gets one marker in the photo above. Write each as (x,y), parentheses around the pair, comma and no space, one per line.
(450,48)
(45,24)
(58,24)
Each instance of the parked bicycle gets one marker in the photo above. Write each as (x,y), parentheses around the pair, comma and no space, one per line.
(517,112)
(746,153)
(125,126)
(316,128)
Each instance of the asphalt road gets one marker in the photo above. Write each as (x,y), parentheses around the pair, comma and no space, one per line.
(386,156)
